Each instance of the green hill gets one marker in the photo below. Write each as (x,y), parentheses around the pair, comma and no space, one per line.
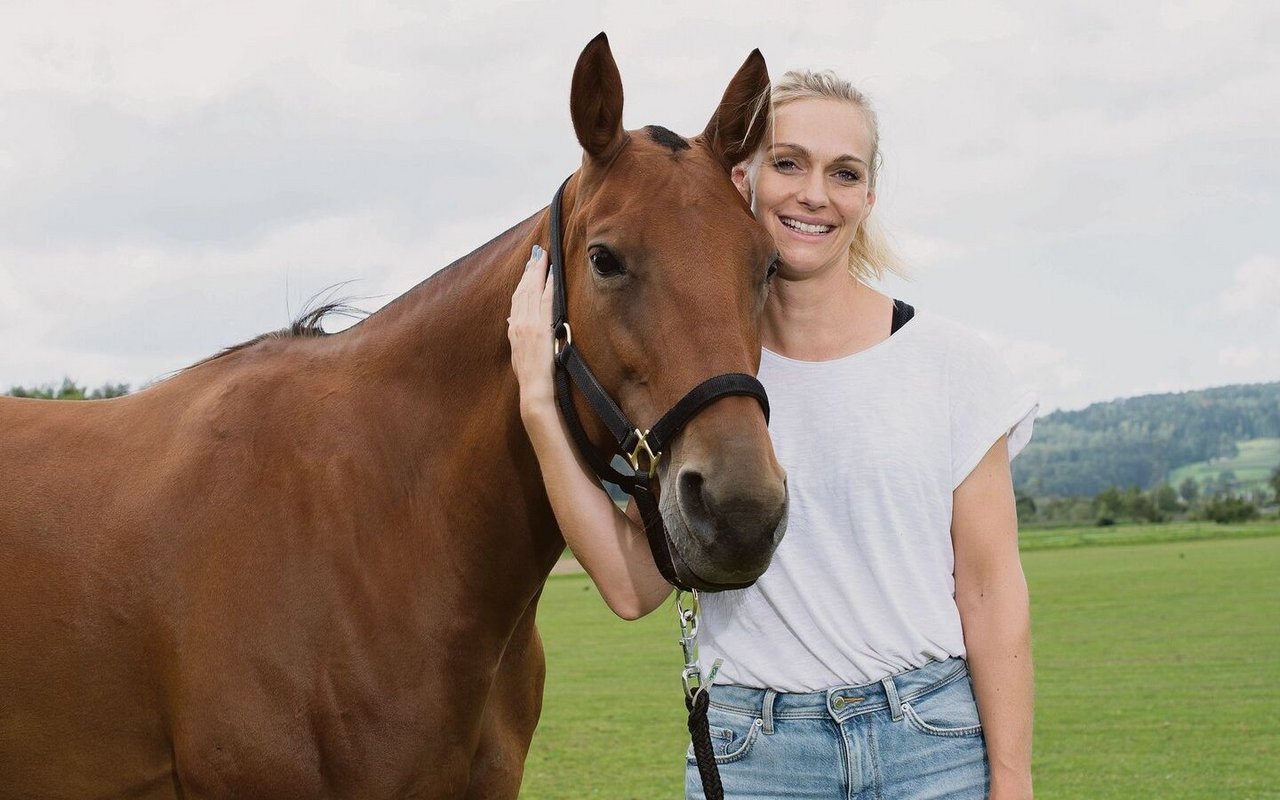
(1144,441)
(1249,469)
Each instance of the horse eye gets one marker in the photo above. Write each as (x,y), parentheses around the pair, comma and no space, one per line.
(604,262)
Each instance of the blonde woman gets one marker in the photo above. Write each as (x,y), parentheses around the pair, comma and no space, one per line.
(886,651)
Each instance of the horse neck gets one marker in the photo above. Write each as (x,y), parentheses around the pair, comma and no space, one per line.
(439,359)
(451,328)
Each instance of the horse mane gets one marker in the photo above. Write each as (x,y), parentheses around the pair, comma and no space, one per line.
(308,324)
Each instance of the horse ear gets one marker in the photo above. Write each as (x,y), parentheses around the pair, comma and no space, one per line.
(595,101)
(738,126)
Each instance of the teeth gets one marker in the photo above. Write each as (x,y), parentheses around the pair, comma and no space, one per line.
(805,227)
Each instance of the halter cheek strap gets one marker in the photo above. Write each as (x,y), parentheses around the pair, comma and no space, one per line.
(642,449)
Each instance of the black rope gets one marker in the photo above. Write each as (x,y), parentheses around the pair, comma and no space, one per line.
(700,735)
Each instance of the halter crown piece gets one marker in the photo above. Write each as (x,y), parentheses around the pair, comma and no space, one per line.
(642,449)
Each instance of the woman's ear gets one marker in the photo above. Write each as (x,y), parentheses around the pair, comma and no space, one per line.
(742,180)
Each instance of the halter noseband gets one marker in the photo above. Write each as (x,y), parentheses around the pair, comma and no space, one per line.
(642,449)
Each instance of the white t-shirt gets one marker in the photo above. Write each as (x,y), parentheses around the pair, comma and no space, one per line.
(862,585)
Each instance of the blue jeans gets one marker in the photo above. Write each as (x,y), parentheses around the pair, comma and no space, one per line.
(913,735)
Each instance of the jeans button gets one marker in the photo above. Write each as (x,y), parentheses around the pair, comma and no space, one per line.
(838,703)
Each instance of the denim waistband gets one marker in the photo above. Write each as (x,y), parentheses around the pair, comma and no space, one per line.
(839,702)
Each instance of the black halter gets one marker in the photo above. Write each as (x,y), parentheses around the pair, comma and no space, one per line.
(641,449)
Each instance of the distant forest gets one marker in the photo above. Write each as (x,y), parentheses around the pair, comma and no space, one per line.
(1138,441)
(1132,444)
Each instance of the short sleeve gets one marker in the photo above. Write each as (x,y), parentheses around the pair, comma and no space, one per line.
(986,402)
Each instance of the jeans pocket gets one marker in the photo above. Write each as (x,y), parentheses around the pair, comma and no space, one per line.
(949,710)
(732,734)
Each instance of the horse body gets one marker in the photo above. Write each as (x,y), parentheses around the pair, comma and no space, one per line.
(309,567)
(177,611)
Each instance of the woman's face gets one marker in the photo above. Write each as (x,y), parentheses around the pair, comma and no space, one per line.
(811,190)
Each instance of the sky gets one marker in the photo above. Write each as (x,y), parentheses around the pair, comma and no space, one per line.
(1093,186)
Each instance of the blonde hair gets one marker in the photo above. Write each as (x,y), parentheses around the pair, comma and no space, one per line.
(870,255)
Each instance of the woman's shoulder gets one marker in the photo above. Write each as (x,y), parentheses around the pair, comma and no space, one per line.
(944,334)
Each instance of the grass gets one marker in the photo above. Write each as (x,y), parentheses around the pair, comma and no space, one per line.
(1053,538)
(1156,672)
(1252,465)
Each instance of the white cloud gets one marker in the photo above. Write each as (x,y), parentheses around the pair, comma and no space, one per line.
(1254,293)
(1052,166)
(925,251)
(1251,358)
(133,313)
(1051,370)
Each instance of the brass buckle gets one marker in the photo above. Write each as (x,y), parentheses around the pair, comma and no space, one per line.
(642,445)
(556,347)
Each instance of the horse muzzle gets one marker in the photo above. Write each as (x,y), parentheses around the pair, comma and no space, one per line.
(722,531)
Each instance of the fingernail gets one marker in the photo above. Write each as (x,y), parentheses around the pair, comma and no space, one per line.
(537,253)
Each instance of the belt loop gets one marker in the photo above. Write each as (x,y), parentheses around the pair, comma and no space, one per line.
(895,705)
(766,711)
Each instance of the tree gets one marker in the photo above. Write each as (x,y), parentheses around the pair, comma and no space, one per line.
(1108,504)
(1140,507)
(1275,483)
(69,390)
(1165,499)
(1189,490)
(109,390)
(1224,509)
(1026,507)
(1226,482)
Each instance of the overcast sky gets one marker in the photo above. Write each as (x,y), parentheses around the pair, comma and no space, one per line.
(1095,186)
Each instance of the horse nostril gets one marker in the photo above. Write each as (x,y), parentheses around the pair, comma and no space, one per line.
(690,488)
(721,512)
(732,522)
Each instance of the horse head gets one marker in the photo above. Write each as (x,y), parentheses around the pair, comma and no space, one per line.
(666,272)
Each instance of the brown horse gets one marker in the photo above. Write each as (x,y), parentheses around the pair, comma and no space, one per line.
(309,566)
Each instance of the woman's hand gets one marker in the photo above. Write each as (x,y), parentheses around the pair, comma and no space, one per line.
(529,331)
(610,545)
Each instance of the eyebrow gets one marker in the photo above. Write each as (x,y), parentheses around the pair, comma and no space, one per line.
(801,149)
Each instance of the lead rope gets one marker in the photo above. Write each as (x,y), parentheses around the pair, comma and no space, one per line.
(696,697)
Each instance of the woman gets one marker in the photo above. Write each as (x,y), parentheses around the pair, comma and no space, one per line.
(886,651)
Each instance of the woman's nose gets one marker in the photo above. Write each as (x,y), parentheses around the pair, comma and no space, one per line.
(813,193)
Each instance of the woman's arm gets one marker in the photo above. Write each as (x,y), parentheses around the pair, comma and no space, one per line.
(991,593)
(610,545)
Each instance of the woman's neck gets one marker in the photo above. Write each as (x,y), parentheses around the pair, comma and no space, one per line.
(826,317)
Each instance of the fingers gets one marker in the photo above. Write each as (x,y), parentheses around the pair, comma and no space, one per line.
(531,301)
(537,265)
(537,257)
(540,265)
(535,272)
(529,331)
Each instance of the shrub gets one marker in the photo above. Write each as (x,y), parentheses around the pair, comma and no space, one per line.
(1230,509)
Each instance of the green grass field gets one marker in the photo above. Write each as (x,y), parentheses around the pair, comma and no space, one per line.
(1157,674)
(1252,466)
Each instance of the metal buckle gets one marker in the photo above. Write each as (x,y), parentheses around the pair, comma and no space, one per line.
(691,677)
(642,445)
(556,347)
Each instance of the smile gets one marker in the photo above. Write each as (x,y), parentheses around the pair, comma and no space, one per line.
(805,227)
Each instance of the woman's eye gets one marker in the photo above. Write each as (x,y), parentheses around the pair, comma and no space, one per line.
(848,176)
(784,165)
(604,262)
